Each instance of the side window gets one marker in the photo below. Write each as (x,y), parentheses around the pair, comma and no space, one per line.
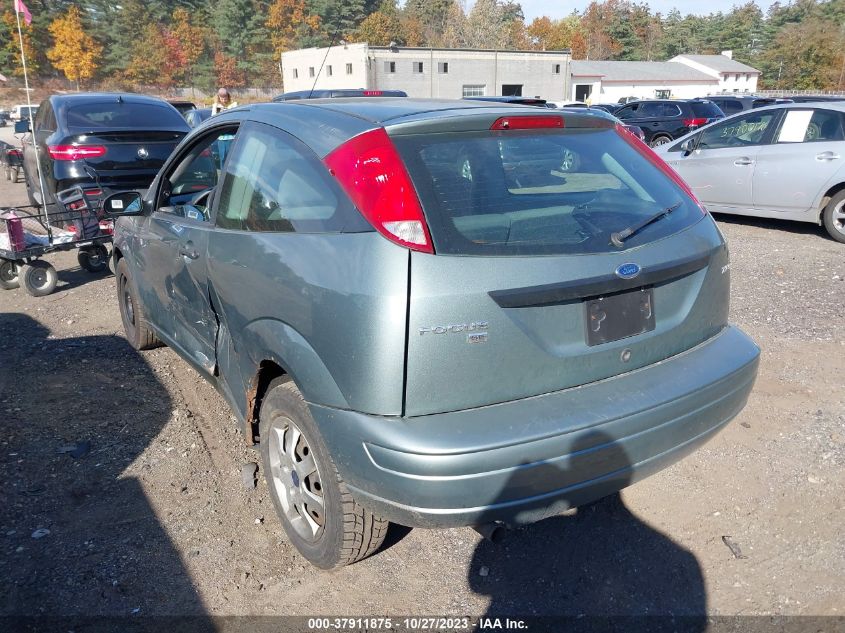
(274,183)
(186,189)
(628,112)
(671,110)
(740,132)
(807,126)
(651,109)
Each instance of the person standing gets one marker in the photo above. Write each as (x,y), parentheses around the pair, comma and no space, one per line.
(222,101)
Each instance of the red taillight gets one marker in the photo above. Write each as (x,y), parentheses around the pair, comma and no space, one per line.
(695,122)
(658,162)
(371,172)
(527,122)
(75,152)
(373,93)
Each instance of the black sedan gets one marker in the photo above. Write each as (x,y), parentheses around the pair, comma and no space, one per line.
(123,138)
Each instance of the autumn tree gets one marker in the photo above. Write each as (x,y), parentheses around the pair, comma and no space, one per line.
(192,41)
(291,24)
(380,29)
(147,65)
(10,53)
(74,52)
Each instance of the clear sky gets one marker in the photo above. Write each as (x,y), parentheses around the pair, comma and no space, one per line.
(562,8)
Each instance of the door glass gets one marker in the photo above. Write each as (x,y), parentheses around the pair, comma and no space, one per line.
(671,110)
(273,182)
(742,132)
(186,190)
(804,126)
(628,112)
(651,109)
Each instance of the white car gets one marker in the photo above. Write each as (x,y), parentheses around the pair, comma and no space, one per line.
(785,161)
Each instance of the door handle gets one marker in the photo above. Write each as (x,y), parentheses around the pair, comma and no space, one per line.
(740,162)
(827,156)
(187,250)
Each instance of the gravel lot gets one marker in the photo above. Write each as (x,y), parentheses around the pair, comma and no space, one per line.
(154,519)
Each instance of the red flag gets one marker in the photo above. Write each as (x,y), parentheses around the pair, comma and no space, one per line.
(20,7)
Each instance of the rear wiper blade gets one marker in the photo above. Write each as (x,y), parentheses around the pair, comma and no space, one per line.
(619,237)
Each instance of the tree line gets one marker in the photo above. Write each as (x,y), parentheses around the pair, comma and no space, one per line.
(237,43)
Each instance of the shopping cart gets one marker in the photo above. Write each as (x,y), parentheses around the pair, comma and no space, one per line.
(27,233)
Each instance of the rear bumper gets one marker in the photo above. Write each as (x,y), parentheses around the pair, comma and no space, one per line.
(525,460)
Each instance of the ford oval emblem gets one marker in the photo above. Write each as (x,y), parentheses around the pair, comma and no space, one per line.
(143,153)
(628,271)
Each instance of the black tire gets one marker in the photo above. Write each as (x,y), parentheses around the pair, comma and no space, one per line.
(660,139)
(346,531)
(94,259)
(138,333)
(9,275)
(833,217)
(39,278)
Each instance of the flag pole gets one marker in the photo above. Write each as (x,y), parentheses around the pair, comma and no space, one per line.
(31,131)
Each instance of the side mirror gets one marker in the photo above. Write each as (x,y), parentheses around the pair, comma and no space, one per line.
(22,127)
(689,145)
(123,203)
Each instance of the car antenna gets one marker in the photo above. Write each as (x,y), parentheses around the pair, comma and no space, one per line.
(325,57)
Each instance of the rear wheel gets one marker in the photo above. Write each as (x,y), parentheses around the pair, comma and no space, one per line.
(39,278)
(834,217)
(139,335)
(319,515)
(9,278)
(94,259)
(657,141)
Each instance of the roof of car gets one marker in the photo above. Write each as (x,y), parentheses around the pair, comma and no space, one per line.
(382,110)
(87,97)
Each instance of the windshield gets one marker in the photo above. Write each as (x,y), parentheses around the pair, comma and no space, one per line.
(532,193)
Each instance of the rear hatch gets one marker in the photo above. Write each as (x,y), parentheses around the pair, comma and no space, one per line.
(704,112)
(125,142)
(526,292)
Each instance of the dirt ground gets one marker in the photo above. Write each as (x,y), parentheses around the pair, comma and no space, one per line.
(154,519)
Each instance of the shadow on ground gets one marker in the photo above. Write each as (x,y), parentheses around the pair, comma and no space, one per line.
(106,552)
(600,561)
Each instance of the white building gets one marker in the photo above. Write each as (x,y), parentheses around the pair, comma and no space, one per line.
(733,76)
(607,82)
(683,77)
(429,72)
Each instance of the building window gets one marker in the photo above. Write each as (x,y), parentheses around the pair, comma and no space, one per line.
(348,69)
(295,73)
(390,67)
(310,71)
(555,69)
(736,77)
(329,70)
(443,67)
(474,90)
(418,67)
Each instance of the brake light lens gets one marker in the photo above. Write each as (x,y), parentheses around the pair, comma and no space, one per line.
(528,122)
(373,93)
(75,152)
(369,169)
(646,152)
(695,122)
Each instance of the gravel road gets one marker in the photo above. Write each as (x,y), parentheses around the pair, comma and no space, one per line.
(152,517)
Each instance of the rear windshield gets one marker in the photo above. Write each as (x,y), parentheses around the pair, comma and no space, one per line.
(124,115)
(705,109)
(539,193)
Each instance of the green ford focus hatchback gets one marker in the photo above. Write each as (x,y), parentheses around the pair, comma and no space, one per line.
(436,313)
